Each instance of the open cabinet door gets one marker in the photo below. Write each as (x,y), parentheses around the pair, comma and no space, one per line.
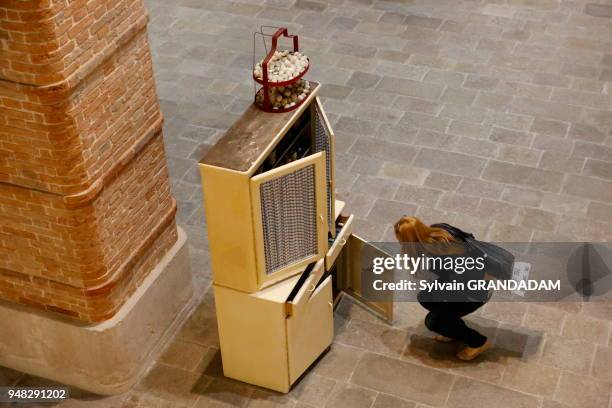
(324,142)
(290,217)
(357,256)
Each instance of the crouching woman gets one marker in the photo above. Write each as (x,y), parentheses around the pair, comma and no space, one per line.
(446,307)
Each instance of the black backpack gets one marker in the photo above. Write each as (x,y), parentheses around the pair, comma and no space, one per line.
(499,262)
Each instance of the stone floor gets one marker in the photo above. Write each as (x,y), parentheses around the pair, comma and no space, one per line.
(493,115)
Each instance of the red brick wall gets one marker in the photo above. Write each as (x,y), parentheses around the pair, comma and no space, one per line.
(85,204)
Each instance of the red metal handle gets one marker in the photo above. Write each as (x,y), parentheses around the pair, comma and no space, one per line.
(264,65)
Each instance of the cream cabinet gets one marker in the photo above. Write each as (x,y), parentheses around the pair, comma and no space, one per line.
(268,195)
(282,251)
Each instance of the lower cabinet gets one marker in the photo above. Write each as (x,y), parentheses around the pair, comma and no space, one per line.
(271,337)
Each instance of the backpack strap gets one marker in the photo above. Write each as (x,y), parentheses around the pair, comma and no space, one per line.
(454,231)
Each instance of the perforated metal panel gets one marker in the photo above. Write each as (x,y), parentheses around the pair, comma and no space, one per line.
(289,218)
(322,143)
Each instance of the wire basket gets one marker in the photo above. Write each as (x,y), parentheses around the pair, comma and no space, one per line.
(267,90)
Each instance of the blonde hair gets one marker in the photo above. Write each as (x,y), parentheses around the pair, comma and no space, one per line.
(413,230)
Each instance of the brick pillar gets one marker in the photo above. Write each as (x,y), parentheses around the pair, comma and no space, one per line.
(85,205)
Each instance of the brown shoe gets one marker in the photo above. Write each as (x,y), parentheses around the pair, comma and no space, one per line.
(470,353)
(443,339)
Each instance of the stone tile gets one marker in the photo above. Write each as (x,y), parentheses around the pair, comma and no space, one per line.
(522,176)
(602,365)
(343,23)
(592,150)
(363,80)
(265,399)
(397,133)
(226,392)
(497,210)
(468,393)
(598,10)
(521,155)
(579,391)
(587,133)
(450,78)
(405,71)
(588,187)
(508,120)
(598,168)
(402,379)
(531,378)
(421,120)
(132,400)
(505,312)
(366,165)
(442,181)
(538,219)
(335,91)
(560,161)
(459,203)
(418,195)
(407,103)
(387,212)
(476,147)
(173,384)
(355,126)
(599,211)
(480,82)
(480,188)
(339,362)
(508,136)
(467,129)
(350,396)
(405,173)
(389,401)
(449,162)
(410,87)
(493,101)
(521,196)
(430,138)
(566,354)
(393,56)
(184,355)
(545,109)
(553,143)
(313,389)
(376,186)
(459,96)
(502,232)
(384,150)
(378,113)
(463,113)
(579,327)
(549,127)
(544,318)
(354,50)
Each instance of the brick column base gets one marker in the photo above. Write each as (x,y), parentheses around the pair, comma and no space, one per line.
(109,357)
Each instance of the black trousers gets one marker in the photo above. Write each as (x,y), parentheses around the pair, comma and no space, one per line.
(445,318)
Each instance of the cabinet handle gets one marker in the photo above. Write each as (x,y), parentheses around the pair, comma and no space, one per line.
(343,242)
(312,288)
(321,218)
(331,305)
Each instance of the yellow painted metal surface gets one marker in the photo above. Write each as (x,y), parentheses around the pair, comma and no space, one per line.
(231,238)
(310,330)
(340,241)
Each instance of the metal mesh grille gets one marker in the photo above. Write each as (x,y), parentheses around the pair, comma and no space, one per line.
(289,218)
(322,144)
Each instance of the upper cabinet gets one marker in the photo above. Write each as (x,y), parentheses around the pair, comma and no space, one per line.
(269,196)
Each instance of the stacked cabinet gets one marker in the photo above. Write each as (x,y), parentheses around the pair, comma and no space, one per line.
(281,250)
